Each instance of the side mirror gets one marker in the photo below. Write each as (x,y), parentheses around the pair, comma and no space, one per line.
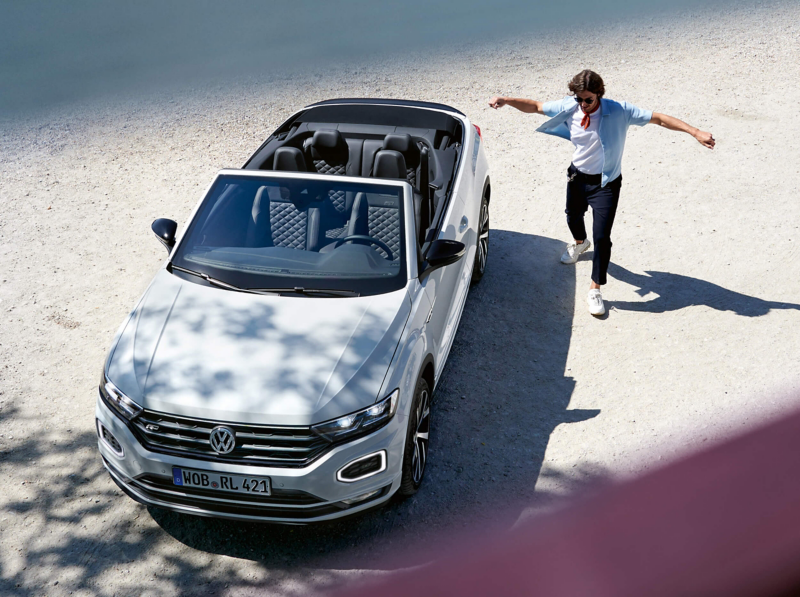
(442,252)
(165,232)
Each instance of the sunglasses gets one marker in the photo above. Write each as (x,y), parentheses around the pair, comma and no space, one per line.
(588,101)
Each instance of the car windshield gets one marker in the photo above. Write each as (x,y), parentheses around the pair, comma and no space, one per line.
(297,233)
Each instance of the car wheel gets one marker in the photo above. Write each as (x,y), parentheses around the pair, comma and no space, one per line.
(415,456)
(482,250)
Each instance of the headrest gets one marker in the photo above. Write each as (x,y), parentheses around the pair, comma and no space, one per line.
(401,143)
(289,159)
(328,139)
(389,164)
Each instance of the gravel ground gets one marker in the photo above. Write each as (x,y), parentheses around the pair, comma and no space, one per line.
(539,400)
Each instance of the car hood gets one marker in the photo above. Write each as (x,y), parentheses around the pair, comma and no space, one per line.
(209,353)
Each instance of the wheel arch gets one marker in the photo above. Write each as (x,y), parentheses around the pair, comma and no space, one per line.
(487,190)
(428,371)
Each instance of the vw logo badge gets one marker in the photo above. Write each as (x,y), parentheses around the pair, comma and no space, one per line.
(223,440)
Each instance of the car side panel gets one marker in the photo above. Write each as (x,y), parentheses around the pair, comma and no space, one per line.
(413,348)
(472,193)
(447,287)
(451,284)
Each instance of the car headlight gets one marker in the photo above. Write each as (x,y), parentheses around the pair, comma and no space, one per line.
(359,422)
(117,401)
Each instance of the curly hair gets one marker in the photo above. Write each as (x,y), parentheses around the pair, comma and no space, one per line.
(587,80)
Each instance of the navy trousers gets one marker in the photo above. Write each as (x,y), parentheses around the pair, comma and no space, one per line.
(583,191)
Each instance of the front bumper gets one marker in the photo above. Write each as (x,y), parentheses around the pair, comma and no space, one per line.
(299,495)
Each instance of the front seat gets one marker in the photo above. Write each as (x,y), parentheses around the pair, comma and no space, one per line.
(279,221)
(404,144)
(329,153)
(392,164)
(358,224)
(289,159)
(389,164)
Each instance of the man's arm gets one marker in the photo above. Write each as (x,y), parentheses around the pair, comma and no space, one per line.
(673,124)
(523,105)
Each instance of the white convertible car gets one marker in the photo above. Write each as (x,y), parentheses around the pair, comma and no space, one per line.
(281,364)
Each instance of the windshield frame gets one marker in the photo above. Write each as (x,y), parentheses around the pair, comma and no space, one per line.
(410,234)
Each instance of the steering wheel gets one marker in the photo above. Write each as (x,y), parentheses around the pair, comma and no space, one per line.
(368,239)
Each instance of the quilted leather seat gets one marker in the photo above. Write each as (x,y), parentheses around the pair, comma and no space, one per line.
(277,221)
(404,144)
(390,164)
(329,152)
(378,221)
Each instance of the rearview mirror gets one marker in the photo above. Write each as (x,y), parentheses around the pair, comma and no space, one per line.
(165,232)
(442,252)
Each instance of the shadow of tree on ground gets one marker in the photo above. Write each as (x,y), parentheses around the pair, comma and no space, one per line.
(503,393)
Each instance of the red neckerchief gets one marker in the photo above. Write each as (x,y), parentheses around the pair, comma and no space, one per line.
(586,120)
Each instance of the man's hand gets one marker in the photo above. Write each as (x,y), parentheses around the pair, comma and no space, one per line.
(670,122)
(705,139)
(497,102)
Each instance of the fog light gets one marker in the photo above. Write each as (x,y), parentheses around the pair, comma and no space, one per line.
(363,467)
(362,497)
(109,440)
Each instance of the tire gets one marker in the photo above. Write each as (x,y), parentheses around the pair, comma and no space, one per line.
(482,249)
(415,455)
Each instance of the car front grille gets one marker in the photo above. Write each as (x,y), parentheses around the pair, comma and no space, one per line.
(256,445)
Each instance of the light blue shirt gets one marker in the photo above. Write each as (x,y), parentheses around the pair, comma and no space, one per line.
(614,122)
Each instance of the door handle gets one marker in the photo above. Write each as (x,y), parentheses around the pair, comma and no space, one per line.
(464,224)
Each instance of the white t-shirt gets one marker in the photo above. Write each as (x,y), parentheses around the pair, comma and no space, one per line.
(588,156)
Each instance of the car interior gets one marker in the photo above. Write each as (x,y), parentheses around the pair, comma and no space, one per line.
(363,139)
(300,214)
(255,232)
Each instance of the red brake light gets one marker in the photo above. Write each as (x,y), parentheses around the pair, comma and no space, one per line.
(477,128)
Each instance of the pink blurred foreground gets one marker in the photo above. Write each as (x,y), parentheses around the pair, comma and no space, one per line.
(724,522)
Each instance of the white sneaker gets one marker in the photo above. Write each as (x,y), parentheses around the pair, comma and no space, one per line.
(595,300)
(574,250)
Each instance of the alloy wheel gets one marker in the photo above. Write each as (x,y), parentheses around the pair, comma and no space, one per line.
(483,239)
(421,434)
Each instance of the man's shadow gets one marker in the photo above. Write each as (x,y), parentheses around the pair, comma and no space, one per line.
(678,292)
(504,391)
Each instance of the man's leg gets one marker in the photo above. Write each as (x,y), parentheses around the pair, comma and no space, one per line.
(576,208)
(604,201)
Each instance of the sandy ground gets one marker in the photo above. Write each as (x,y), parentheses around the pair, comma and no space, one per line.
(539,400)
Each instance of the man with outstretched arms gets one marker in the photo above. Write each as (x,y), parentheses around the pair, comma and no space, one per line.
(597,127)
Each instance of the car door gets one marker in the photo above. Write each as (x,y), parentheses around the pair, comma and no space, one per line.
(442,288)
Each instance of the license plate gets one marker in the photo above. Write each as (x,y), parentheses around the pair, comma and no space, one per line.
(220,482)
